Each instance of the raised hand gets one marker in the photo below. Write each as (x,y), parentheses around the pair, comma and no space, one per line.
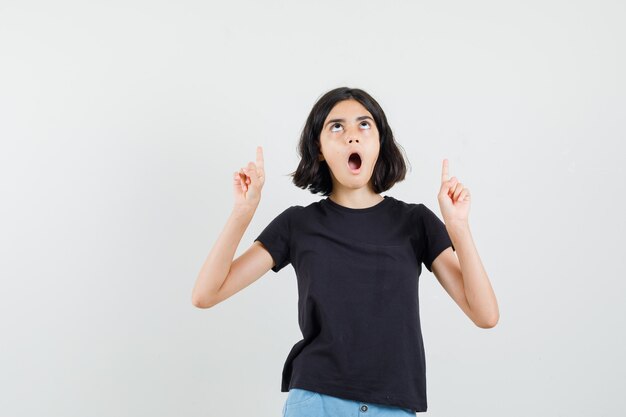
(248,182)
(454,199)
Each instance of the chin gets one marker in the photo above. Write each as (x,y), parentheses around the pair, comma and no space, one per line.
(357,185)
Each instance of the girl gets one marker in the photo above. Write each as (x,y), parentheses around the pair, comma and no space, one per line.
(357,257)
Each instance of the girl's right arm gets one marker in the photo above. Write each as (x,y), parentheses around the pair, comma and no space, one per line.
(220,276)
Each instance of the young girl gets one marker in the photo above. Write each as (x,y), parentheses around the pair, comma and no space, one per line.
(357,257)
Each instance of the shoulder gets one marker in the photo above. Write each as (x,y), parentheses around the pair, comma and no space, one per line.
(420,209)
(290,213)
(406,207)
(424,211)
(415,212)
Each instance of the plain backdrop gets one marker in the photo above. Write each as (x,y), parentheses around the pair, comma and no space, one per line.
(122,122)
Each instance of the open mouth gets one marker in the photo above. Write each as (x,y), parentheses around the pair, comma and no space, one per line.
(354,161)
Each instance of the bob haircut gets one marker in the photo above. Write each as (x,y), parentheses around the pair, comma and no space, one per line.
(314,174)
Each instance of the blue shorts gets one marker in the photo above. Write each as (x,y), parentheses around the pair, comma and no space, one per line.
(305,403)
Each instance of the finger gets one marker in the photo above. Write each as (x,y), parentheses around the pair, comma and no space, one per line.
(241,183)
(260,163)
(464,195)
(444,171)
(457,191)
(452,183)
(243,177)
(259,157)
(252,177)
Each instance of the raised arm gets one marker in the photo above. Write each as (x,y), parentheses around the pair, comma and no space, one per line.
(219,272)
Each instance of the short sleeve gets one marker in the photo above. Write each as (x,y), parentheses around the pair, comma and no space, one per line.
(276,237)
(436,237)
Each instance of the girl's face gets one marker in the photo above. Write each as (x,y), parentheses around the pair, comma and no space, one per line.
(349,129)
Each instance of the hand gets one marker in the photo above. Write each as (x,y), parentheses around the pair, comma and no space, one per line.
(454,199)
(248,182)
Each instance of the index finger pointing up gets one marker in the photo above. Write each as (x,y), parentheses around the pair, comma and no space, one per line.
(444,171)
(259,157)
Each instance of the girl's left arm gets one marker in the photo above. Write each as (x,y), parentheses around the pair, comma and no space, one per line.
(465,278)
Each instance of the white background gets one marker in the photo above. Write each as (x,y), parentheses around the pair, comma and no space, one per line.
(122,122)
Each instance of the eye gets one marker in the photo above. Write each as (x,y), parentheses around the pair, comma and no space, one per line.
(363,124)
(331,128)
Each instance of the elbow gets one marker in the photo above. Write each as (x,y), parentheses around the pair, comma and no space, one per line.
(488,323)
(199,302)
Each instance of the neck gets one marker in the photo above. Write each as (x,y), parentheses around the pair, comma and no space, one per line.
(355,198)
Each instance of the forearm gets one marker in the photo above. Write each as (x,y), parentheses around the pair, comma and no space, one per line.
(217,264)
(478,291)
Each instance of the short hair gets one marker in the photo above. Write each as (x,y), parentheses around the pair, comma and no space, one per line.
(314,174)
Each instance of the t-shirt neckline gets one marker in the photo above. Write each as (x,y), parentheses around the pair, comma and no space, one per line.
(386,199)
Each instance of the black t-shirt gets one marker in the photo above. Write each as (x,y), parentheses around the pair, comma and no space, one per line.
(358,307)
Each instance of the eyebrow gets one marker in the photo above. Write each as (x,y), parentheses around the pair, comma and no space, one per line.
(343,120)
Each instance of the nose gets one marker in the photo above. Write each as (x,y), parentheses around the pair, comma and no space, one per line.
(351,137)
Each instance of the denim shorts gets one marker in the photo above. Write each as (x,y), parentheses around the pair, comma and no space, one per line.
(305,403)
